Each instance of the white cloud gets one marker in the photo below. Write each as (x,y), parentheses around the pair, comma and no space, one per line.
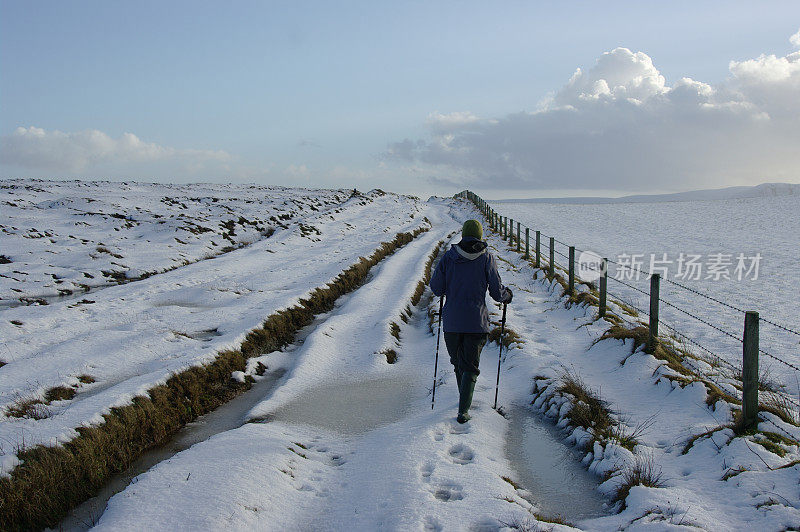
(297,171)
(36,148)
(440,122)
(619,125)
(795,39)
(618,74)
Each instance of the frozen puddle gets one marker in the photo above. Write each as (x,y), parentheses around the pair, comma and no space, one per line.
(352,408)
(550,470)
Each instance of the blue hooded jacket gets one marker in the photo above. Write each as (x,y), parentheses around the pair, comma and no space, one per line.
(463,274)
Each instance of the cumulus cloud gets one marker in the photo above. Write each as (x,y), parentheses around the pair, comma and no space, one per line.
(795,39)
(620,125)
(57,151)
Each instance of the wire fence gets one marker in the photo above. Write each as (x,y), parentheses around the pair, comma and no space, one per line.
(712,328)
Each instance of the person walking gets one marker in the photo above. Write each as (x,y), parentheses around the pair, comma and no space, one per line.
(463,276)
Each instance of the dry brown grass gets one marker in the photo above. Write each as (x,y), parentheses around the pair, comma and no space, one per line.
(28,407)
(51,480)
(391,355)
(59,393)
(643,472)
(509,337)
(420,289)
(593,414)
(583,299)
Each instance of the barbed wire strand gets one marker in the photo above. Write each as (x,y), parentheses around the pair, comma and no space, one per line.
(779,360)
(779,326)
(762,418)
(716,357)
(701,320)
(631,286)
(730,306)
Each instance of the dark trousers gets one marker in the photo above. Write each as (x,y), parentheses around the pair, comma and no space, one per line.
(465,351)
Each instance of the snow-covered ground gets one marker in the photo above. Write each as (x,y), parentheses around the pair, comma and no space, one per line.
(763,225)
(123,340)
(349,442)
(62,238)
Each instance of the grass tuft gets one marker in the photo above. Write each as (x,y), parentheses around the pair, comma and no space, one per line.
(591,413)
(643,472)
(391,355)
(59,393)
(782,407)
(31,408)
(509,337)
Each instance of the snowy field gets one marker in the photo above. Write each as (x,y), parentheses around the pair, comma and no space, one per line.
(122,340)
(65,238)
(343,440)
(768,226)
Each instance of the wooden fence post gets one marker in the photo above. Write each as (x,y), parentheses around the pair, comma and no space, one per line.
(655,283)
(538,249)
(750,370)
(572,270)
(518,239)
(603,287)
(552,256)
(527,243)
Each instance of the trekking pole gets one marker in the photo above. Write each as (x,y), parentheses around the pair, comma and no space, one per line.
(436,364)
(499,355)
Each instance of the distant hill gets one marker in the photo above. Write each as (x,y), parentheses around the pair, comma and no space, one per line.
(764,190)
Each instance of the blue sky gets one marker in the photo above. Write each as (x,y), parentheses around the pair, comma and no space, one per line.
(316,94)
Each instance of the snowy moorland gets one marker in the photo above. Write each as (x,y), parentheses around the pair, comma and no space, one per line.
(344,437)
(63,238)
(66,363)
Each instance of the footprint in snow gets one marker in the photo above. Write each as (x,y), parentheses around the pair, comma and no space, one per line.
(427,470)
(432,524)
(448,491)
(457,428)
(461,454)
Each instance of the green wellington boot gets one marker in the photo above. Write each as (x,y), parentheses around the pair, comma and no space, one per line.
(465,396)
(458,381)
